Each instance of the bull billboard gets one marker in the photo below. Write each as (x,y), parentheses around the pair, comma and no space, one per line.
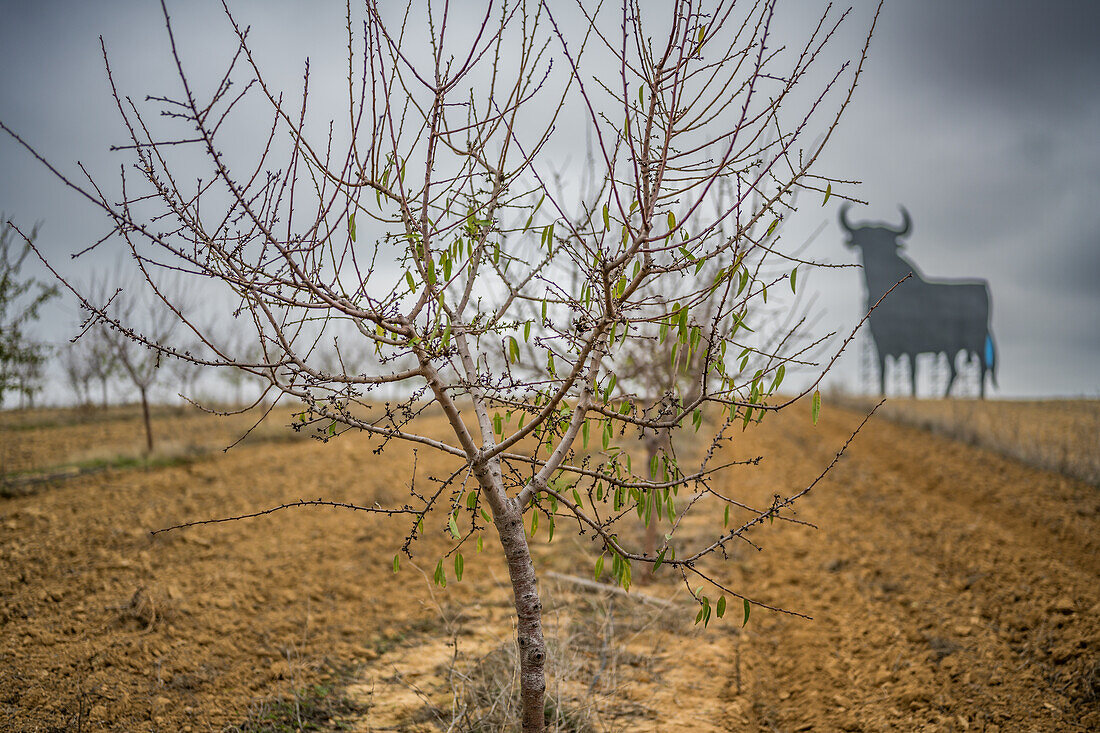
(920,316)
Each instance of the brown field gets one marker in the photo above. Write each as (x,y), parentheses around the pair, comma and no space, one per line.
(1057,435)
(951,589)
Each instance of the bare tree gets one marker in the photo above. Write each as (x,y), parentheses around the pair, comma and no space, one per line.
(101,358)
(185,373)
(79,370)
(133,324)
(428,226)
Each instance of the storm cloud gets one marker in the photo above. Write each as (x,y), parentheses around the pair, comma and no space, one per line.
(980,116)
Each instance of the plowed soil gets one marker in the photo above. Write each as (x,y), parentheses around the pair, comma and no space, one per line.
(950,588)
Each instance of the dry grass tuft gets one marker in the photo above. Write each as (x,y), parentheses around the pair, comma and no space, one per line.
(1055,435)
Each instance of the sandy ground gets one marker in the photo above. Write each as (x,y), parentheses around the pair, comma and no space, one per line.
(950,588)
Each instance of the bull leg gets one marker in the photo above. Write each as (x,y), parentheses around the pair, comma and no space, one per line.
(882,375)
(981,376)
(913,373)
(951,373)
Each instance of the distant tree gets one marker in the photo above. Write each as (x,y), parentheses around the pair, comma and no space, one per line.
(102,362)
(134,322)
(429,227)
(29,375)
(183,375)
(78,371)
(21,358)
(89,358)
(238,340)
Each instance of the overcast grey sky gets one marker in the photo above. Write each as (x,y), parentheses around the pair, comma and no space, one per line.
(980,116)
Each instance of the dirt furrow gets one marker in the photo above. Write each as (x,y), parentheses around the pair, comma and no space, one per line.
(940,601)
(951,589)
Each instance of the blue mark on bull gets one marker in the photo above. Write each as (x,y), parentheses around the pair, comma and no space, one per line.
(920,316)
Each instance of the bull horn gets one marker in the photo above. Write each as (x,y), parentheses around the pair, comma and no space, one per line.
(906,223)
(844,218)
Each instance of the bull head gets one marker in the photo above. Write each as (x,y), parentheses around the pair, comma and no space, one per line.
(906,227)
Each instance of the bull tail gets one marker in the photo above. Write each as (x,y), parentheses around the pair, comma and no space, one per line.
(991,357)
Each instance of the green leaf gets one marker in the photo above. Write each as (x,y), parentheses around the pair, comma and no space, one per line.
(779,373)
(771,228)
(671,221)
(577,497)
(452,525)
(584,434)
(498,424)
(480,543)
(721,608)
(459,565)
(697,419)
(351,225)
(660,559)
(513,349)
(726,518)
(599,567)
(747,605)
(410,281)
(815,406)
(396,563)
(610,387)
(606,218)
(527,331)
(794,274)
(486,517)
(471,500)
(828,193)
(607,434)
(534,522)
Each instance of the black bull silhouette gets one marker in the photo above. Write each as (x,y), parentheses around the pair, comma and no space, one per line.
(920,316)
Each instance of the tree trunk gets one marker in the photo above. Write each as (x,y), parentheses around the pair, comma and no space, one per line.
(148,424)
(508,518)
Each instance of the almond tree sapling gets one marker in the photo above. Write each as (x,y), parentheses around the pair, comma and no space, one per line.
(425,222)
